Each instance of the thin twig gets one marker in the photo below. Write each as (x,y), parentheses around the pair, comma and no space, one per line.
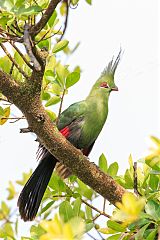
(96,209)
(86,203)
(104,205)
(91,236)
(28,46)
(10,29)
(13,61)
(66,20)
(22,56)
(97,216)
(13,118)
(11,70)
(60,107)
(25,130)
(17,27)
(135,179)
(99,234)
(43,39)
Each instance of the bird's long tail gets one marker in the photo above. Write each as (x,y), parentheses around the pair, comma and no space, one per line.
(33,191)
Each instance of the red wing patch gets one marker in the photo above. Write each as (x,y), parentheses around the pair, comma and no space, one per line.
(65,131)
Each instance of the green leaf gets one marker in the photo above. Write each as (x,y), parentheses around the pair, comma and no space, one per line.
(6,231)
(74,2)
(11,190)
(77,207)
(5,210)
(66,211)
(153,161)
(155,172)
(1,111)
(48,205)
(53,100)
(18,59)
(153,208)
(55,89)
(113,169)
(45,96)
(152,235)
(154,182)
(103,163)
(89,2)
(138,224)
(25,177)
(60,46)
(51,62)
(5,64)
(32,10)
(88,212)
(49,75)
(62,73)
(72,78)
(52,19)
(128,179)
(115,226)
(51,114)
(89,226)
(84,190)
(114,237)
(57,184)
(36,232)
(140,233)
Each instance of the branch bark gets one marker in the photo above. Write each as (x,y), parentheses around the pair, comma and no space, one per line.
(45,17)
(30,105)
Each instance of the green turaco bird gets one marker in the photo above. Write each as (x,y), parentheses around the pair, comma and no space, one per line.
(80,123)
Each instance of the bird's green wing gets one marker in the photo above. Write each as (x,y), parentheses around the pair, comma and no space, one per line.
(73,112)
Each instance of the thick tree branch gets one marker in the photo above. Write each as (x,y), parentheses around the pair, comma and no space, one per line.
(9,87)
(28,101)
(45,17)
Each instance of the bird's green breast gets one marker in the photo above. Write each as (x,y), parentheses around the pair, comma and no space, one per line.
(94,119)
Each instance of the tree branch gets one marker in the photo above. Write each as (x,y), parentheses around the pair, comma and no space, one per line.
(9,87)
(45,17)
(21,54)
(28,46)
(29,103)
(66,20)
(13,61)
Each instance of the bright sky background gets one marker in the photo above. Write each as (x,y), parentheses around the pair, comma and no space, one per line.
(133,111)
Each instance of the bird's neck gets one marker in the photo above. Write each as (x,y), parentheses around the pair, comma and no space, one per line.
(98,103)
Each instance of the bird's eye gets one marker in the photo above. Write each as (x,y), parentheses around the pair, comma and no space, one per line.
(104,85)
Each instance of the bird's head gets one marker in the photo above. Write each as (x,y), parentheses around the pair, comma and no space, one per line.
(105,84)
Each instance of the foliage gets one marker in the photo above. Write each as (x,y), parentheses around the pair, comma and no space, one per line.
(74,202)
(68,209)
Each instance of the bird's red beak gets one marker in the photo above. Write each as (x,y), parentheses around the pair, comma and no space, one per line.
(115,89)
